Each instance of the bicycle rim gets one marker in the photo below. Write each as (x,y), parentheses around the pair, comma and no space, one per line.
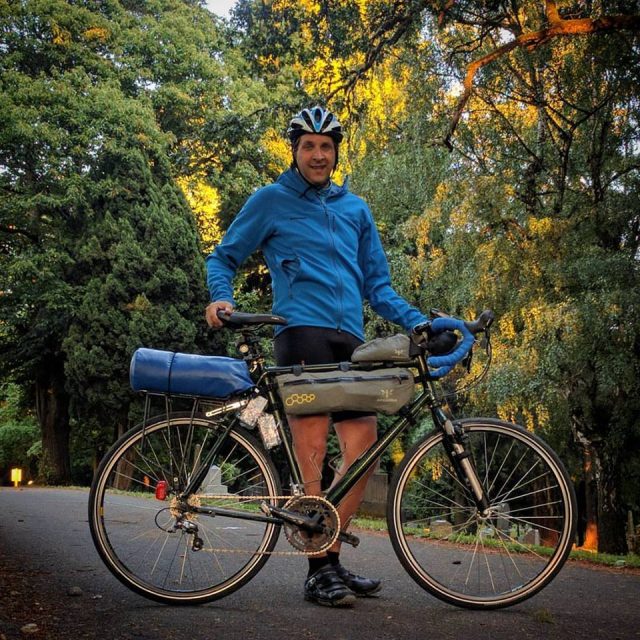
(135,532)
(478,562)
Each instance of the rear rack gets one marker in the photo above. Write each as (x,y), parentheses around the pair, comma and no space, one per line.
(164,404)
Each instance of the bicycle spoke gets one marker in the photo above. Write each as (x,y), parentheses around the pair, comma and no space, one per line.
(159,547)
(508,495)
(489,559)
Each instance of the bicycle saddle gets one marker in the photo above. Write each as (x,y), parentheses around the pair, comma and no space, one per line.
(238,319)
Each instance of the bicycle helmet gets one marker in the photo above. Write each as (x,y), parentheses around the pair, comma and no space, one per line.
(315,120)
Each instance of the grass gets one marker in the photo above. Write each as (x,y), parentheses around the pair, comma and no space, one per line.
(630,560)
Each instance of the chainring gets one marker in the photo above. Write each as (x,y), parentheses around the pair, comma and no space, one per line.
(328,518)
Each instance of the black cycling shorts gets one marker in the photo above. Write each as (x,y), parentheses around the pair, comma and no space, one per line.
(317,345)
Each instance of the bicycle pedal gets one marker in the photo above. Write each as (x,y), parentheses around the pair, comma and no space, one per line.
(349,538)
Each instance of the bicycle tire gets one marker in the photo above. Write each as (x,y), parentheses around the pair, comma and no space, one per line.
(131,528)
(483,563)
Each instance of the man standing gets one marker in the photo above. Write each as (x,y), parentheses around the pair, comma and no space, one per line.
(325,258)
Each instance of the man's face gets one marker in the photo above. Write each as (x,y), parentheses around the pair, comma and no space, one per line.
(316,157)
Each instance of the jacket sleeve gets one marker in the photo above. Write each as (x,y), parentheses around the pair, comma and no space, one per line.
(377,281)
(246,233)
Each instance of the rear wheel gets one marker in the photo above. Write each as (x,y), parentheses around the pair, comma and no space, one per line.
(474,560)
(156,547)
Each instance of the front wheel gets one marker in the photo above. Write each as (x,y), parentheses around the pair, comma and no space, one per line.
(489,560)
(157,543)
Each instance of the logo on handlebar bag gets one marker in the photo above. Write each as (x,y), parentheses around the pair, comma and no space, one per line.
(299,398)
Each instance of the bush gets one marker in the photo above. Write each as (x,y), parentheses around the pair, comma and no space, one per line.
(20,444)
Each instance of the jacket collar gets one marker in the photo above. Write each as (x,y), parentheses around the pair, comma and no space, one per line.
(291,179)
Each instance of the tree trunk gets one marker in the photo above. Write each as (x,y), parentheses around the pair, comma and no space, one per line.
(587,494)
(52,405)
(600,469)
(611,516)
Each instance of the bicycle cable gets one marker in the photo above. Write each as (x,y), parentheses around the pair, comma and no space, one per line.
(480,376)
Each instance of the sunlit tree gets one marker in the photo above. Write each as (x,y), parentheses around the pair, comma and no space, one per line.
(535,213)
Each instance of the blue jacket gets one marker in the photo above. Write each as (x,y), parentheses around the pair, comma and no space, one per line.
(323,253)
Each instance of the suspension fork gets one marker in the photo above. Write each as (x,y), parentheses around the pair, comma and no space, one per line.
(456,444)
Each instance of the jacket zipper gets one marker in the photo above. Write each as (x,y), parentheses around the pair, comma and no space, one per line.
(334,260)
(399,377)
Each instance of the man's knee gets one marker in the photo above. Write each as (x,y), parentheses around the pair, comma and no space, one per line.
(310,436)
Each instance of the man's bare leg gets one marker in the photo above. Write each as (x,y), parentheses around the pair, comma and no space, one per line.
(309,434)
(355,437)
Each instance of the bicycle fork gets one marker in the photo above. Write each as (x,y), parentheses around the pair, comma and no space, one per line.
(456,445)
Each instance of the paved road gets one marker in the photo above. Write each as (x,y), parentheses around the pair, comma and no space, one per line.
(46,549)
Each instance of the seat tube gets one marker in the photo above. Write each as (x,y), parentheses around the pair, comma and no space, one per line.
(280,418)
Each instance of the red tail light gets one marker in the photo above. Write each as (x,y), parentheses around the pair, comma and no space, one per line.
(161,490)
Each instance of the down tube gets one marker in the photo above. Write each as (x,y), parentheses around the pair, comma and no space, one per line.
(336,494)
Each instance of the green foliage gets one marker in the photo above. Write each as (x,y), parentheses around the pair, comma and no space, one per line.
(19,433)
(17,444)
(99,249)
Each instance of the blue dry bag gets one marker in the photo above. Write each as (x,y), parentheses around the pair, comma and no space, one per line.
(188,374)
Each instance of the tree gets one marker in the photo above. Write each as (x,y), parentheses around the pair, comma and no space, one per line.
(99,250)
(536,213)
(540,220)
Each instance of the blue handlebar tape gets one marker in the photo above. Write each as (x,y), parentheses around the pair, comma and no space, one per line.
(444,364)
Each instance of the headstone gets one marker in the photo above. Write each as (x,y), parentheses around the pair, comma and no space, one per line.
(532,537)
(213,482)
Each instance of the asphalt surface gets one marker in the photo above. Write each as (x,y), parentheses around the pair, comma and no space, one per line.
(47,556)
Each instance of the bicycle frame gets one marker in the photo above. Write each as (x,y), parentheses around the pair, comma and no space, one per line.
(427,398)
(481,513)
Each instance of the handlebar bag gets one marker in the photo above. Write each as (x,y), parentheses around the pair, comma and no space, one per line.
(188,374)
(383,390)
(391,349)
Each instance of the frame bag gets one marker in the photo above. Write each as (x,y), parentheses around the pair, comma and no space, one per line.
(382,390)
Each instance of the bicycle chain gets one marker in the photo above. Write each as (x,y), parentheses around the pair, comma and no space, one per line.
(195,501)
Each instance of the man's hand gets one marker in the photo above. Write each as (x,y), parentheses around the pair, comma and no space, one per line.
(211,312)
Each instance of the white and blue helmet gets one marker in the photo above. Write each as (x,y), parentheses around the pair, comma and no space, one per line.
(315,120)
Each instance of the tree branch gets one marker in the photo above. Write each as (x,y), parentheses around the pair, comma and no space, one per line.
(398,27)
(11,230)
(557,28)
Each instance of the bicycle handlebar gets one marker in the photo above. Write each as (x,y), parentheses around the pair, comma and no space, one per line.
(441,364)
(444,364)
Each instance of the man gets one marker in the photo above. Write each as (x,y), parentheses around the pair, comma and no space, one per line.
(325,257)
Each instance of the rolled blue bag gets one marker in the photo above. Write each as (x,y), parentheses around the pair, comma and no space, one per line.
(188,374)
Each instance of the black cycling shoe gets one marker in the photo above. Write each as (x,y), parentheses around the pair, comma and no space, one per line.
(325,587)
(359,585)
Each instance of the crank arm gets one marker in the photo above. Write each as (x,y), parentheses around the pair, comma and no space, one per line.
(304,522)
